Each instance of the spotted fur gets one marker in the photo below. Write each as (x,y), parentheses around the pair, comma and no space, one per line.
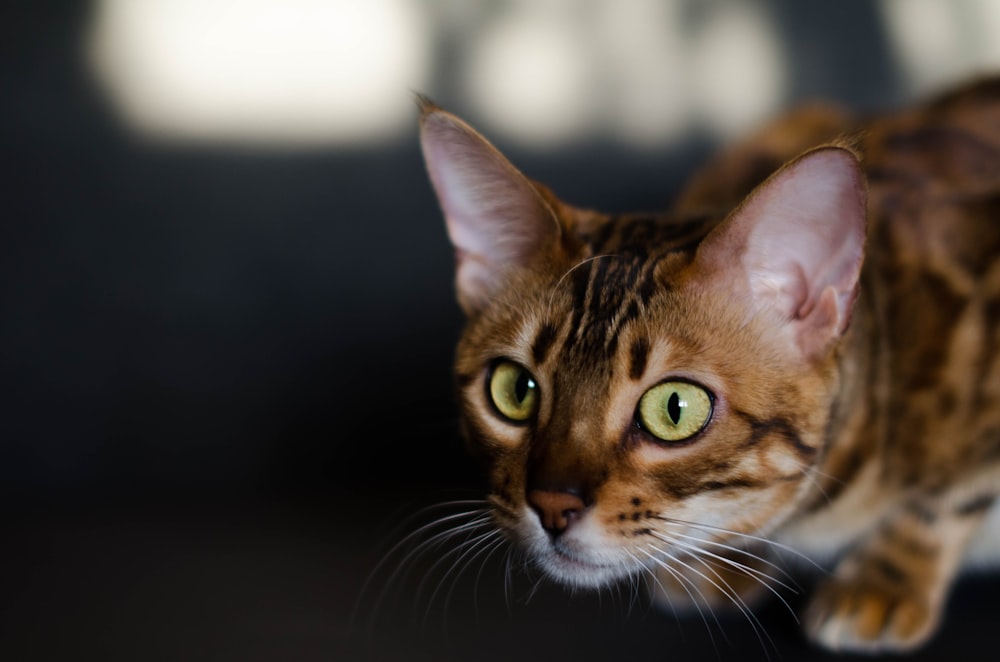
(855,405)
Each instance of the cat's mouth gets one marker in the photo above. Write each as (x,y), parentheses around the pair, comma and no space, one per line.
(572,561)
(579,557)
(568,566)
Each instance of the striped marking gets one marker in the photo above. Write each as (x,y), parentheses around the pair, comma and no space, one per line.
(638,356)
(615,287)
(777,426)
(543,343)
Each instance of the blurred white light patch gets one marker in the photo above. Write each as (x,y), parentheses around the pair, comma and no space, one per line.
(529,76)
(268,72)
(644,86)
(738,71)
(938,41)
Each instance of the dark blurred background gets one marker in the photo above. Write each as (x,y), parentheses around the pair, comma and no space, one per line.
(226,312)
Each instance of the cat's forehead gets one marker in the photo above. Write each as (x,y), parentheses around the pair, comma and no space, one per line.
(613,290)
(642,235)
(619,273)
(603,295)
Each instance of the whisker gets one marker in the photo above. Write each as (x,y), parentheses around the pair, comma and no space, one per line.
(487,545)
(571,270)
(727,590)
(636,581)
(494,546)
(430,525)
(479,517)
(758,576)
(748,536)
(473,547)
(439,539)
(534,589)
(393,534)
(507,578)
(819,472)
(651,574)
(684,582)
(756,625)
(811,474)
(633,594)
(792,585)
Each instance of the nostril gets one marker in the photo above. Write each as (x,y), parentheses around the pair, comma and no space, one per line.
(556,510)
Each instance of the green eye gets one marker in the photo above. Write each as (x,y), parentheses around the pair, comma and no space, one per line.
(675,411)
(513,391)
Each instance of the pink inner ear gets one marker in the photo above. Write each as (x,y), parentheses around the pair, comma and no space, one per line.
(495,217)
(798,241)
(812,232)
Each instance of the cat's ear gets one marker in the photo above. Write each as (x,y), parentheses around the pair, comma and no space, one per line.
(798,242)
(496,219)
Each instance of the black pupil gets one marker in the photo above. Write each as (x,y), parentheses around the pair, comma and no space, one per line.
(674,407)
(522,385)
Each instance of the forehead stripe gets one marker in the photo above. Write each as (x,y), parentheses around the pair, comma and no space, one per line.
(639,354)
(543,343)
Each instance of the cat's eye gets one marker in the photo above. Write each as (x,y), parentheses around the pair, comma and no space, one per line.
(513,391)
(675,411)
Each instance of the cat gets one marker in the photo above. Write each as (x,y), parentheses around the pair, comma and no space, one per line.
(801,356)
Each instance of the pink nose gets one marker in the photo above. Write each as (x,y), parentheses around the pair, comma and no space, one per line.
(555,509)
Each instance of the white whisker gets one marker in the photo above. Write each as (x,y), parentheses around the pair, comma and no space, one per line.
(533,591)
(758,576)
(726,590)
(651,573)
(472,549)
(633,598)
(811,473)
(507,577)
(494,546)
(793,586)
(684,582)
(438,540)
(759,630)
(477,518)
(394,533)
(571,270)
(748,536)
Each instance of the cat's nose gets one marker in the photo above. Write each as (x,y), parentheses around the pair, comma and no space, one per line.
(556,510)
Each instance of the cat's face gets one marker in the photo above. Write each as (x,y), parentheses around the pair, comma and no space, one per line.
(656,407)
(638,389)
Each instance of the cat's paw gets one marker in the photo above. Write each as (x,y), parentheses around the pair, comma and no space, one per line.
(857,616)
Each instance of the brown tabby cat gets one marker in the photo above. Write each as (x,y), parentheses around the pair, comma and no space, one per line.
(803,354)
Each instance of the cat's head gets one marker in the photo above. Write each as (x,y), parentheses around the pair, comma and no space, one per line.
(636,384)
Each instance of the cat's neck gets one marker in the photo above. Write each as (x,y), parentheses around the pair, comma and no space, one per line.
(856,426)
(841,499)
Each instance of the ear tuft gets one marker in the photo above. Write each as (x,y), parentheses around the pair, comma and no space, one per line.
(424,103)
(496,218)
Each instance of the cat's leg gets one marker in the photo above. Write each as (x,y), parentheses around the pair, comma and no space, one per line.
(888,594)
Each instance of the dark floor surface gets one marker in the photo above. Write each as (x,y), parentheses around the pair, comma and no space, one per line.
(279,580)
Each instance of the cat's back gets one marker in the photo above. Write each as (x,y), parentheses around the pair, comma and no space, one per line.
(932,273)
(933,278)
(934,182)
